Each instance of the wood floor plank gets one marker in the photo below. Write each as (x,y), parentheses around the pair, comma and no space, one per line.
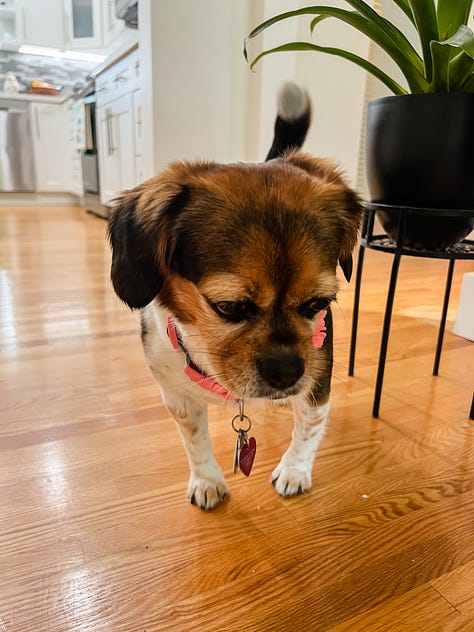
(457,588)
(410,611)
(95,531)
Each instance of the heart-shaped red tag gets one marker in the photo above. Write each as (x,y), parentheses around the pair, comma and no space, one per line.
(247,455)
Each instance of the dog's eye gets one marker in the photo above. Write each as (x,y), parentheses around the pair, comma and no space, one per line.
(314,305)
(235,311)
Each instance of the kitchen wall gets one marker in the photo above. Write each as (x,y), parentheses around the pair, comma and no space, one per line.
(27,68)
(202,101)
(336,87)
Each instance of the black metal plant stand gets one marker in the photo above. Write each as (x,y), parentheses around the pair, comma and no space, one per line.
(462,250)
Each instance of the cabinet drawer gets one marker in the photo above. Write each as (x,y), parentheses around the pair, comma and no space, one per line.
(121,78)
(103,90)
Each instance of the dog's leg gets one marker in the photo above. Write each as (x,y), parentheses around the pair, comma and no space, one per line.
(293,473)
(207,486)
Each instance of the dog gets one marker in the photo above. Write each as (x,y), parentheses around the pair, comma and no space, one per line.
(233,267)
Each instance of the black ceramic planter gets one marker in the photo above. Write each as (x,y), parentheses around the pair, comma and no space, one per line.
(420,153)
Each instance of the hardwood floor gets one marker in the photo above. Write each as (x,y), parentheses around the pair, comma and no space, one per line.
(95,530)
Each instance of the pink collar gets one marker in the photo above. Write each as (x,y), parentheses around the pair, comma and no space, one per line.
(192,370)
(208,383)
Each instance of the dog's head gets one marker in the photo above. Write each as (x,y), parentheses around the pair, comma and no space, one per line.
(244,256)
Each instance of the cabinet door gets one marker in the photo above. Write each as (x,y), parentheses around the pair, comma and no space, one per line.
(138,114)
(76,129)
(83,24)
(116,140)
(50,146)
(108,157)
(43,22)
(11,24)
(111,26)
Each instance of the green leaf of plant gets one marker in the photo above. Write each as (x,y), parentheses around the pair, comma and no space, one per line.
(405,7)
(265,25)
(463,39)
(441,56)
(380,30)
(451,14)
(395,87)
(468,85)
(448,70)
(402,53)
(368,12)
(424,12)
(460,68)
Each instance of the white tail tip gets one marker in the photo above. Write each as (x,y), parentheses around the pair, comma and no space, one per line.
(293,102)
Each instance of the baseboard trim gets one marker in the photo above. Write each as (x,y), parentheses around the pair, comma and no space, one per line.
(40,199)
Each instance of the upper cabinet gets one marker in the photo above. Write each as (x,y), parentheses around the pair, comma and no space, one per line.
(83,23)
(43,22)
(11,33)
(63,24)
(111,26)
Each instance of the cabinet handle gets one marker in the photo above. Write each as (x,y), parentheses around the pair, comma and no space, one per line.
(120,78)
(38,134)
(67,26)
(23,19)
(110,135)
(112,144)
(109,140)
(139,122)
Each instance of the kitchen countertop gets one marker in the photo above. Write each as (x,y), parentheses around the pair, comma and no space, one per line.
(119,53)
(42,98)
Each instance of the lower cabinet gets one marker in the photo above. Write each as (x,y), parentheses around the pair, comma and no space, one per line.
(119,139)
(57,145)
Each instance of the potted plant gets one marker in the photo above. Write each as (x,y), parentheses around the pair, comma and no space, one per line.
(420,142)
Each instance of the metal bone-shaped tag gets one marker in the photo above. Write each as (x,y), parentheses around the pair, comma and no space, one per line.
(241,439)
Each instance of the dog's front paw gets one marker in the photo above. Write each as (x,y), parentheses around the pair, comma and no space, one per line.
(206,493)
(290,481)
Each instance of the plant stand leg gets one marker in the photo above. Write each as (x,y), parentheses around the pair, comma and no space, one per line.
(385,334)
(355,311)
(444,312)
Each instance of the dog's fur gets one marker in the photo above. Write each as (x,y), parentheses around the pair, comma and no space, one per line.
(244,257)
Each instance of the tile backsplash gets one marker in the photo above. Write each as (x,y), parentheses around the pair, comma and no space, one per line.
(58,72)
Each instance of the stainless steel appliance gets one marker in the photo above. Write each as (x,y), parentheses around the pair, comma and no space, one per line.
(127,10)
(90,172)
(17,168)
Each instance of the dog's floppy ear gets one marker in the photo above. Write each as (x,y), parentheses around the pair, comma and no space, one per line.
(349,206)
(139,241)
(351,218)
(142,232)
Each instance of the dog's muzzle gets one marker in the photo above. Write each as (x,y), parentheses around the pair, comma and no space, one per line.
(280,369)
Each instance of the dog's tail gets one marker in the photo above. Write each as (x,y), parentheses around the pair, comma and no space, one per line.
(293,119)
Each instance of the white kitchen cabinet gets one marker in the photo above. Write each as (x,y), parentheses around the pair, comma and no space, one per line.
(119,116)
(11,24)
(138,133)
(43,22)
(111,26)
(75,122)
(50,147)
(56,147)
(83,24)
(116,148)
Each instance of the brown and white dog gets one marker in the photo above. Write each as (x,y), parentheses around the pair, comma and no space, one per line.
(234,267)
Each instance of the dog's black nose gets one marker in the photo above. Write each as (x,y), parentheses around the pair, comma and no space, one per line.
(280,369)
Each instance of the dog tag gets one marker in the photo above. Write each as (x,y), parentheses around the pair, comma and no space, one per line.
(238,447)
(247,455)
(245,448)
